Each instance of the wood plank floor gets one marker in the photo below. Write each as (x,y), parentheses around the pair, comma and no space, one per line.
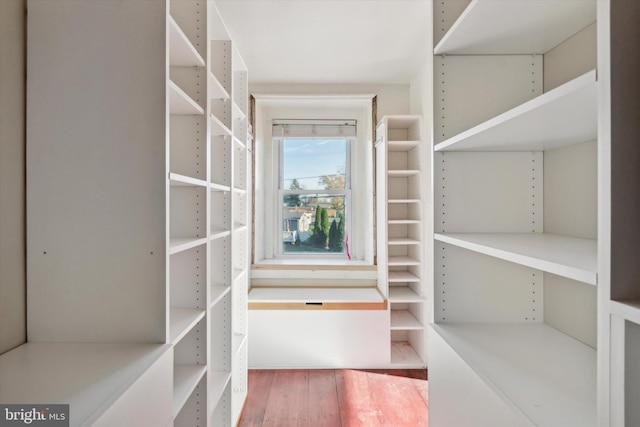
(336,398)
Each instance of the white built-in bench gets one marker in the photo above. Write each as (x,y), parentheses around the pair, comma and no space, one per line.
(317,316)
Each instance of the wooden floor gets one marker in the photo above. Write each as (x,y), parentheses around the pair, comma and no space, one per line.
(336,398)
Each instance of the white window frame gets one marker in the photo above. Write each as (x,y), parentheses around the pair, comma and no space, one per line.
(281,192)
(269,108)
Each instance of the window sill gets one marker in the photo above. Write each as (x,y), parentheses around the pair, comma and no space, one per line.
(313,264)
(309,272)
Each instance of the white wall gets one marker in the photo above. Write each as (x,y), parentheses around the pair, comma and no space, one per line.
(392,99)
(12,172)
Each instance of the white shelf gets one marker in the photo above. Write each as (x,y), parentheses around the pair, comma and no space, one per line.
(218,292)
(403,241)
(237,112)
(241,144)
(87,376)
(182,104)
(515,27)
(402,276)
(240,191)
(403,221)
(403,294)
(185,380)
(403,354)
(402,145)
(219,187)
(405,173)
(402,260)
(400,121)
(238,341)
(219,128)
(219,234)
(177,180)
(404,320)
(219,381)
(564,256)
(217,90)
(403,201)
(628,310)
(240,228)
(563,116)
(179,244)
(544,373)
(182,53)
(238,273)
(182,320)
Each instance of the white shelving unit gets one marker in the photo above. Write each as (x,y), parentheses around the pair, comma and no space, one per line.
(187,145)
(400,236)
(161,180)
(241,203)
(515,201)
(221,218)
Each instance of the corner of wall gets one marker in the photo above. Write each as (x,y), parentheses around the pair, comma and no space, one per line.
(12,175)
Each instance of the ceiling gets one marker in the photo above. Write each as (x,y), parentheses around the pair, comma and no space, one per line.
(329,41)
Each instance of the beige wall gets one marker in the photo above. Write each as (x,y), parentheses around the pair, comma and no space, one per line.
(570,195)
(12,176)
(573,57)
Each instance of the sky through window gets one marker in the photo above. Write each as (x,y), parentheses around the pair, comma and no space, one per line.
(308,160)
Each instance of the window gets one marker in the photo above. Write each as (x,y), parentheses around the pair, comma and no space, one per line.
(314,186)
(315,195)
(308,165)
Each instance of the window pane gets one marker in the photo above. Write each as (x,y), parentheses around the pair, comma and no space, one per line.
(313,223)
(314,164)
